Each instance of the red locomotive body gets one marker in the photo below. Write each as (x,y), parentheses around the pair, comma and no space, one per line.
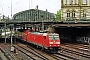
(48,41)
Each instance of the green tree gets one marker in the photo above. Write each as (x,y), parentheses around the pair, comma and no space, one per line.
(58,15)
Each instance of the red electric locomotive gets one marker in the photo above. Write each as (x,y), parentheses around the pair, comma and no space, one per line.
(47,41)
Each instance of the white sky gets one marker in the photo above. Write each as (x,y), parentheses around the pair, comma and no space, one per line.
(21,5)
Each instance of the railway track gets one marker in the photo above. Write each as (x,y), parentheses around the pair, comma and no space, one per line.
(13,56)
(26,52)
(38,52)
(30,53)
(2,54)
(5,49)
(61,57)
(75,51)
(80,47)
(49,56)
(66,56)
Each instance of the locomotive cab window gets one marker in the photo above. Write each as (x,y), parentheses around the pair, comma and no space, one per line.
(53,37)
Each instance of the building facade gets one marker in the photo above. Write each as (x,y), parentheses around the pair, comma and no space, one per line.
(75,10)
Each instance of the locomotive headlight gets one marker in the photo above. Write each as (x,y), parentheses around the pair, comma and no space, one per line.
(57,42)
(50,45)
(58,45)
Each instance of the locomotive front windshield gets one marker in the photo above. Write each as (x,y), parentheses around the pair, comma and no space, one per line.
(53,37)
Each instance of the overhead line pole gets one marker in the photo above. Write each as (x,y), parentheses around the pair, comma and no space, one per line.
(29,4)
(2,9)
(5,29)
(11,8)
(5,23)
(12,48)
(11,18)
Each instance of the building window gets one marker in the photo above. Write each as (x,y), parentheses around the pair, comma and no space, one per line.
(84,1)
(66,1)
(68,14)
(73,14)
(76,1)
(73,1)
(84,14)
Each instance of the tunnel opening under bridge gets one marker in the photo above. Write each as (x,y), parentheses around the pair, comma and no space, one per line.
(73,34)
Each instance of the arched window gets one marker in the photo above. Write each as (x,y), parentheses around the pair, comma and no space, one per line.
(73,14)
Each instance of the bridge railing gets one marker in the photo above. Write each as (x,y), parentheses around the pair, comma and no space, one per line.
(83,20)
(20,21)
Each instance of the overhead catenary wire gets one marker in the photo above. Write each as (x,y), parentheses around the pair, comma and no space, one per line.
(30,4)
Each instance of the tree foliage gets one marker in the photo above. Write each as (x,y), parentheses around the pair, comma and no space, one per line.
(58,15)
